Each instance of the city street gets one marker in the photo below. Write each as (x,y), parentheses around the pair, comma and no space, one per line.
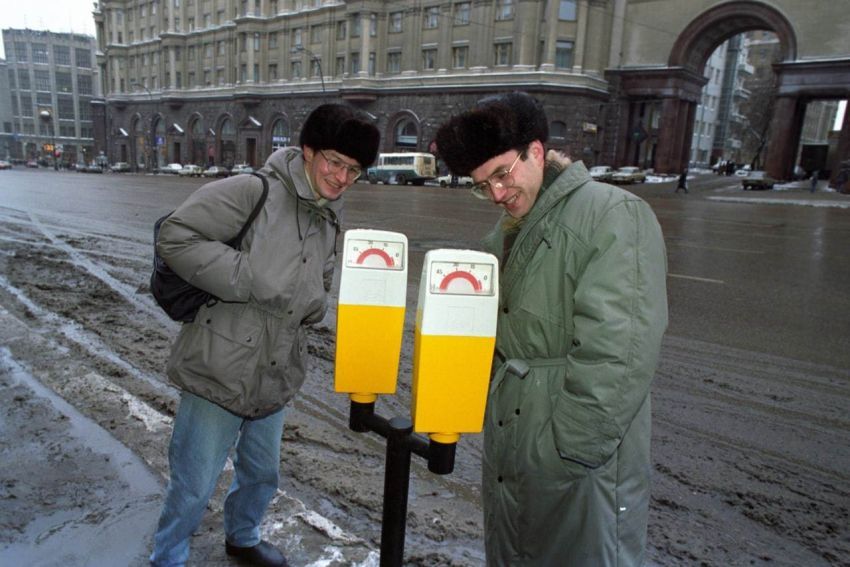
(751,441)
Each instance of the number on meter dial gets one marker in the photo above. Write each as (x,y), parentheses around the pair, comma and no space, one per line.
(376,254)
(461,278)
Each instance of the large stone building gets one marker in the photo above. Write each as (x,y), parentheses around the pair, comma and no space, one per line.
(227,81)
(51,81)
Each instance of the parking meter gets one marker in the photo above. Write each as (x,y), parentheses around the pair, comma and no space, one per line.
(370,313)
(454,342)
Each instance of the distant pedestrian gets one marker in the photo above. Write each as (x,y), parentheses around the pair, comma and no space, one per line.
(683,181)
(814,186)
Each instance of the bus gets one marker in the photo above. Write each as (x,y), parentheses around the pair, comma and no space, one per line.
(403,168)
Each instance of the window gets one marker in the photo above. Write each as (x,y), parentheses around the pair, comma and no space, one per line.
(219,17)
(372,62)
(273,7)
(373,25)
(191,53)
(315,67)
(208,50)
(207,77)
(340,66)
(21,51)
(243,42)
(243,73)
(462,14)
(502,54)
(66,107)
(460,55)
(256,42)
(190,22)
(567,10)
(395,22)
(273,41)
(63,82)
(340,30)
(280,134)
(84,84)
(26,105)
(44,99)
(207,20)
(82,57)
(429,59)
(12,80)
(564,54)
(297,40)
(61,55)
(39,53)
(296,70)
(42,80)
(355,62)
(191,82)
(219,76)
(504,9)
(273,72)
(355,25)
(432,17)
(256,73)
(558,132)
(406,133)
(315,34)
(23,80)
(394,62)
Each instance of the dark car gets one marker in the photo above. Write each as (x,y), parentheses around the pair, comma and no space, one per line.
(758,180)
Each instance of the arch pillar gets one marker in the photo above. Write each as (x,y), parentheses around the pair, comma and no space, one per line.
(785,127)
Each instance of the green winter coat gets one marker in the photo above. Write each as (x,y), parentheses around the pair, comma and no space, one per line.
(583,307)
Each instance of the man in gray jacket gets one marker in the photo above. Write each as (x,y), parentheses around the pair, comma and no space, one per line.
(582,309)
(242,359)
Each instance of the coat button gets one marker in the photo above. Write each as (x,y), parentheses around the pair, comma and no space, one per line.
(274,363)
(517,411)
(289,312)
(500,479)
(505,310)
(209,321)
(500,423)
(303,260)
(248,340)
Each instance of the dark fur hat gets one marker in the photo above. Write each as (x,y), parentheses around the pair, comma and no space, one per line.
(493,126)
(344,129)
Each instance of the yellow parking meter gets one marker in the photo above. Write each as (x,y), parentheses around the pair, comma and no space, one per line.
(370,313)
(454,342)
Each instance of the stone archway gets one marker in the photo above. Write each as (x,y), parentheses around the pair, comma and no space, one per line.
(676,88)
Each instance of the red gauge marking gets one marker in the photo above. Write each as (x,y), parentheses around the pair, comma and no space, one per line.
(476,285)
(366,253)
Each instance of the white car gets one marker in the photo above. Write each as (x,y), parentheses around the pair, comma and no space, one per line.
(191,170)
(743,172)
(601,172)
(628,174)
(241,168)
(454,181)
(171,168)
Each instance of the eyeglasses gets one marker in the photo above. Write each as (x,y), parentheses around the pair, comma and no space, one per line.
(498,180)
(336,165)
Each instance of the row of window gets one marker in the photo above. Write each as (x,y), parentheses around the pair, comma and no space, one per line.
(430,20)
(40,54)
(65,108)
(68,131)
(41,81)
(503,56)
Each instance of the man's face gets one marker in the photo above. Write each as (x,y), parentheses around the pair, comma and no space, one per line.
(330,172)
(521,186)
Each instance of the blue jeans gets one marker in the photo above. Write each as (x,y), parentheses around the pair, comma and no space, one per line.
(203,435)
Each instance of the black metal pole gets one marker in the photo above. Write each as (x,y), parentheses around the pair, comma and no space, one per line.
(396,484)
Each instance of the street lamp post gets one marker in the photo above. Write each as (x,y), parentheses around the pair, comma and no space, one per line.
(149,128)
(315,58)
(47,117)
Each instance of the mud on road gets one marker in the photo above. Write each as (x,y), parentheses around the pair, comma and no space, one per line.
(750,461)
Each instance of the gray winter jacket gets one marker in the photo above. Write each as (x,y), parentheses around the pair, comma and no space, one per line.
(247,352)
(583,306)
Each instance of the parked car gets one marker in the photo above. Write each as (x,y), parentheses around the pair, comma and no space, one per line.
(171,168)
(758,180)
(93,168)
(601,172)
(743,172)
(120,167)
(216,171)
(32,163)
(454,181)
(628,174)
(241,168)
(5,164)
(191,170)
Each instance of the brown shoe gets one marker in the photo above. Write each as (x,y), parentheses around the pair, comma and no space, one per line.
(263,554)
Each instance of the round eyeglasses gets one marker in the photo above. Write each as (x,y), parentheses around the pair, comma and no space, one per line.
(352,172)
(499,180)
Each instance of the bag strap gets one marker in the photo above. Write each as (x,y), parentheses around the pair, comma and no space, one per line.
(237,241)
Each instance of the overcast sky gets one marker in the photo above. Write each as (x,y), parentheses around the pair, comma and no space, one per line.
(53,15)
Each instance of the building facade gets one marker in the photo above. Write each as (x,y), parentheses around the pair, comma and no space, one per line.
(52,82)
(227,81)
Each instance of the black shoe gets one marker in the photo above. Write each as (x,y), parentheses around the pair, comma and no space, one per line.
(263,554)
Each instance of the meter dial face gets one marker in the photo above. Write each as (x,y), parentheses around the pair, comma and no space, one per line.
(461,278)
(376,254)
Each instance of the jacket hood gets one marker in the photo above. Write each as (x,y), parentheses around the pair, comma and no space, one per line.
(288,163)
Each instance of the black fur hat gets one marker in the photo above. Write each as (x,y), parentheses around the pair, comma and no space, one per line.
(344,129)
(493,126)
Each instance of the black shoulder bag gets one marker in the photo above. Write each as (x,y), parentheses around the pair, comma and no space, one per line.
(178,298)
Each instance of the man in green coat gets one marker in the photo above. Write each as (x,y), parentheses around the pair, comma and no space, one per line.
(582,311)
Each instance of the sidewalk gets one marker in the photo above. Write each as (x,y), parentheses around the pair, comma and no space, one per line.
(794,193)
